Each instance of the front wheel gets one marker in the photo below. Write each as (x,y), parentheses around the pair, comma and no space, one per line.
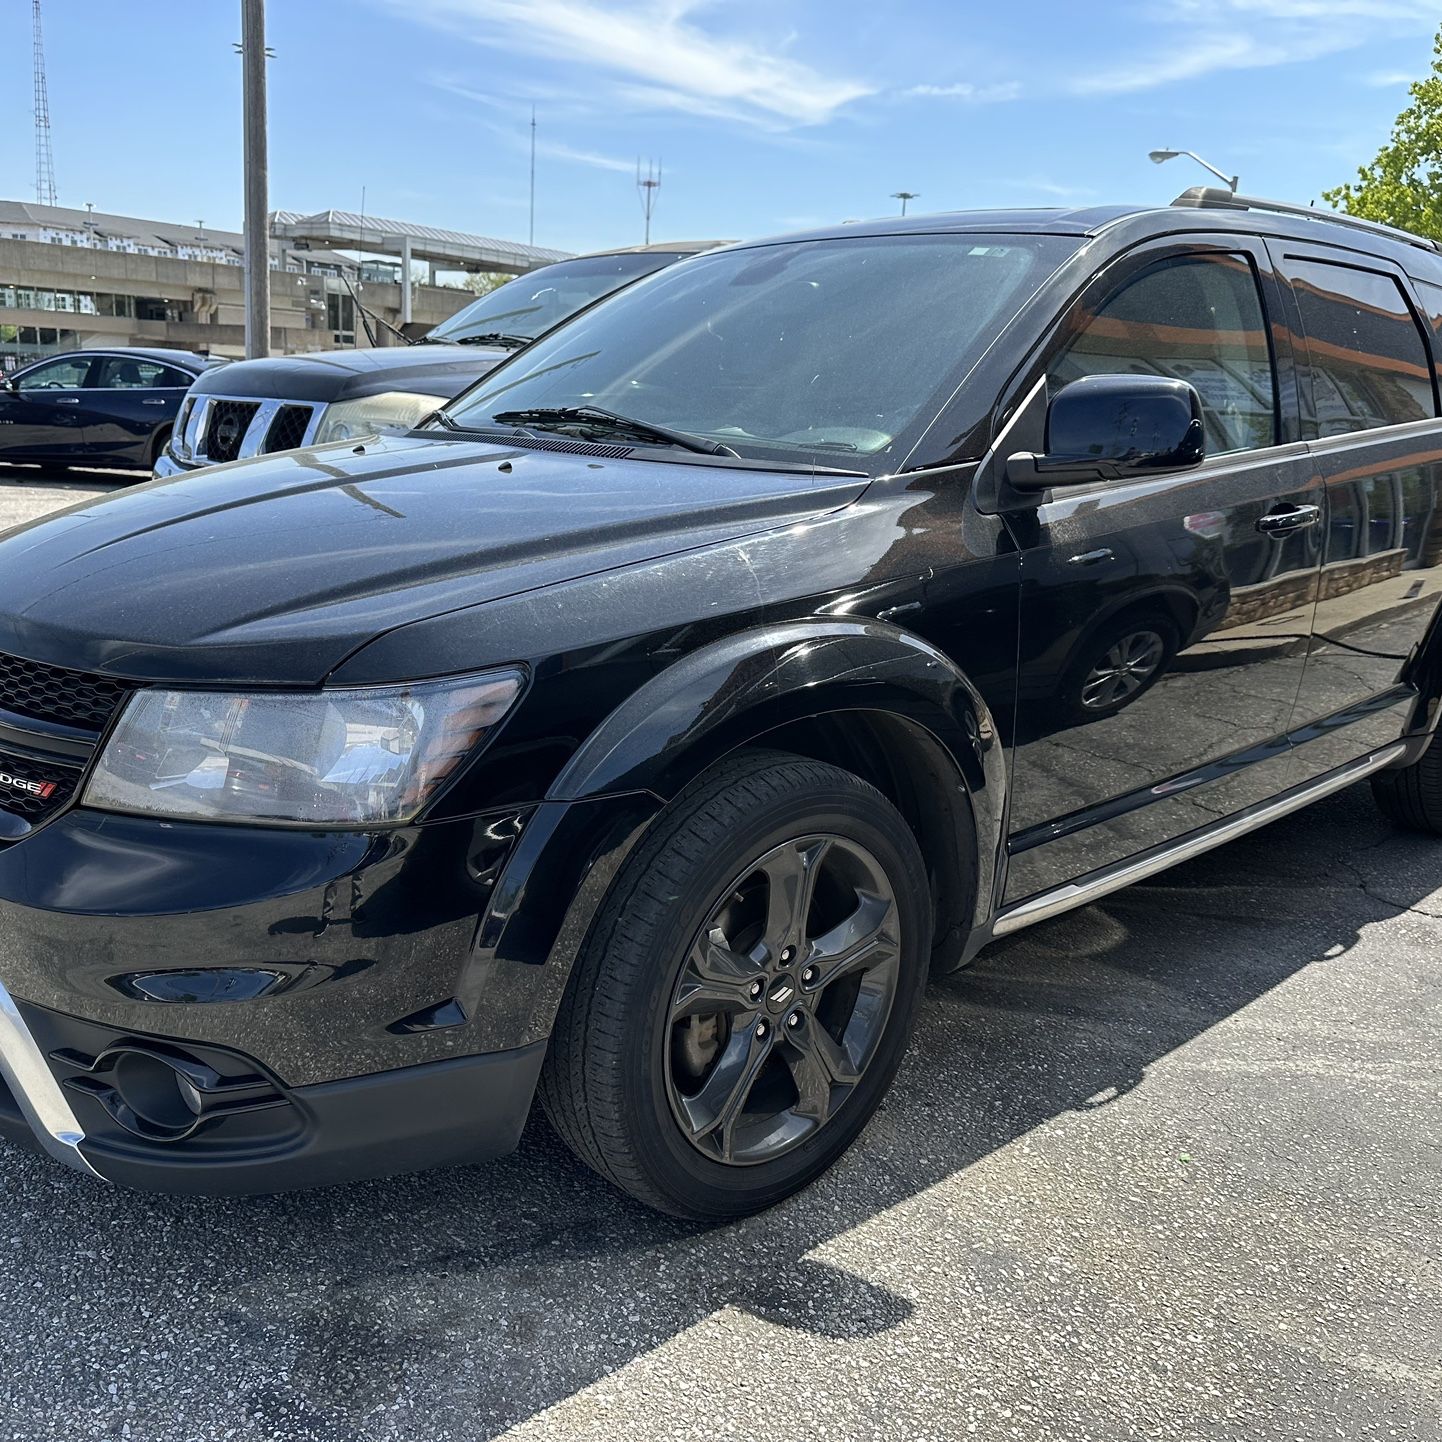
(747,994)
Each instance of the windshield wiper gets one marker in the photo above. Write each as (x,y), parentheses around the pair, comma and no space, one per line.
(491,337)
(598,418)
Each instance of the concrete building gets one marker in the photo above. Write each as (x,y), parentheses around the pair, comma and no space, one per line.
(71,278)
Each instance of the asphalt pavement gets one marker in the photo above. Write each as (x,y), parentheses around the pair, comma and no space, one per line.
(1166,1168)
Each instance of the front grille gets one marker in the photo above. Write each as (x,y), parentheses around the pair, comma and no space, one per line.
(51,693)
(26,804)
(225,428)
(288,428)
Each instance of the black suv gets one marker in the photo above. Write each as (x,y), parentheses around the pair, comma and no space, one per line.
(643,729)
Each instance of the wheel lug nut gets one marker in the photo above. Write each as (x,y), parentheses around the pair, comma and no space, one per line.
(794,1020)
(788,953)
(761,1029)
(808,976)
(755,990)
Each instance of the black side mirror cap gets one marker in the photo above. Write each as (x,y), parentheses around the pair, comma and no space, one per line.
(1114,427)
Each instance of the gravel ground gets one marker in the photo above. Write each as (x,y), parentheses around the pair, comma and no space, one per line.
(1166,1168)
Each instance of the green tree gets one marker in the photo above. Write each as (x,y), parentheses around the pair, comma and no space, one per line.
(1403,184)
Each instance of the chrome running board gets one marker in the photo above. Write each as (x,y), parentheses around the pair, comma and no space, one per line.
(1047,904)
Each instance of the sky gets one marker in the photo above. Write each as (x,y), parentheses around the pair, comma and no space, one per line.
(765,115)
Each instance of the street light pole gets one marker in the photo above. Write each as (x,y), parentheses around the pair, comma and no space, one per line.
(257,178)
(904,195)
(1160,157)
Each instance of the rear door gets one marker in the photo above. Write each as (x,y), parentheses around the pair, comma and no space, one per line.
(1165,622)
(1369,406)
(43,417)
(127,400)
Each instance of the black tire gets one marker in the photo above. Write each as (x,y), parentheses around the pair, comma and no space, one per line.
(1412,796)
(1151,629)
(608,1086)
(157,446)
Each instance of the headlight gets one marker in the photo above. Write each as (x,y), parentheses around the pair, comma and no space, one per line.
(179,445)
(350,420)
(357,757)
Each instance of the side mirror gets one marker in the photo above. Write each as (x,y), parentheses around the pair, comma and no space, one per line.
(1117,427)
(6,383)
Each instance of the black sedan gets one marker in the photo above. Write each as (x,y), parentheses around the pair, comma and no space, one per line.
(95,407)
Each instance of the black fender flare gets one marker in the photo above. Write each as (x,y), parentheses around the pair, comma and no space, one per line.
(732,692)
(667,733)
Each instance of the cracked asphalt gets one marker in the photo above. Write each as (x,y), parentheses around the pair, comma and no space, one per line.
(1166,1168)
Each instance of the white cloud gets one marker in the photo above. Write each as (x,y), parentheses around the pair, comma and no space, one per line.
(1202,37)
(1386,79)
(633,42)
(964,90)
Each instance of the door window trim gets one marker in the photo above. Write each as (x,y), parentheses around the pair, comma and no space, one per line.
(1281,251)
(1020,413)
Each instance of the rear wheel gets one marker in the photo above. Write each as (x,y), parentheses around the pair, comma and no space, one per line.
(1412,796)
(157,447)
(746,997)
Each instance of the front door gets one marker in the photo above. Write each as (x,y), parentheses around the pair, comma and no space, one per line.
(1369,414)
(1165,622)
(44,415)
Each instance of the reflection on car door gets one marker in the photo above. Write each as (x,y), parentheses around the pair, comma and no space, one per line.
(1369,414)
(128,397)
(1164,623)
(43,417)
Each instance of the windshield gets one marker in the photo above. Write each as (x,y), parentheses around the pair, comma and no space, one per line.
(816,350)
(534,302)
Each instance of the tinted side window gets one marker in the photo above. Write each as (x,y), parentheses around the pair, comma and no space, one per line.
(1198,319)
(1368,361)
(59,375)
(126,373)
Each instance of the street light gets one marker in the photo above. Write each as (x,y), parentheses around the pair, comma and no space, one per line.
(904,195)
(1160,157)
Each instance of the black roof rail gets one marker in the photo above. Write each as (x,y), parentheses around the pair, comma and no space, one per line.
(1212,197)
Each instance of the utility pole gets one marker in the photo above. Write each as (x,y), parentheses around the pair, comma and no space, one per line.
(257,181)
(904,195)
(647,186)
(533,175)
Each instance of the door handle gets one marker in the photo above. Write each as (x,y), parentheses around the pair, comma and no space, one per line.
(1091,558)
(67,400)
(1293,518)
(156,402)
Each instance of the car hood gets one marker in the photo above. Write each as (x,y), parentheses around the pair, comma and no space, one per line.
(343,375)
(274,570)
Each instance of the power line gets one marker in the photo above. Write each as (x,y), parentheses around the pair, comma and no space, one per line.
(44,158)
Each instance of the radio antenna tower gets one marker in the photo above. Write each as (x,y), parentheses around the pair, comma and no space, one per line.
(647,187)
(44,160)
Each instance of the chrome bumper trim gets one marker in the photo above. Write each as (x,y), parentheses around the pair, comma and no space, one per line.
(1083,892)
(34,1087)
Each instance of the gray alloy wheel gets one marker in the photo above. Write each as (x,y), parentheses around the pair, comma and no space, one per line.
(782,999)
(746,994)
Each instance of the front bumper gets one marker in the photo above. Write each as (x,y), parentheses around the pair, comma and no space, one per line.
(328,1006)
(445,1113)
(166,465)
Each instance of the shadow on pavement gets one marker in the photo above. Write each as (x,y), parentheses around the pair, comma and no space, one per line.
(494,1293)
